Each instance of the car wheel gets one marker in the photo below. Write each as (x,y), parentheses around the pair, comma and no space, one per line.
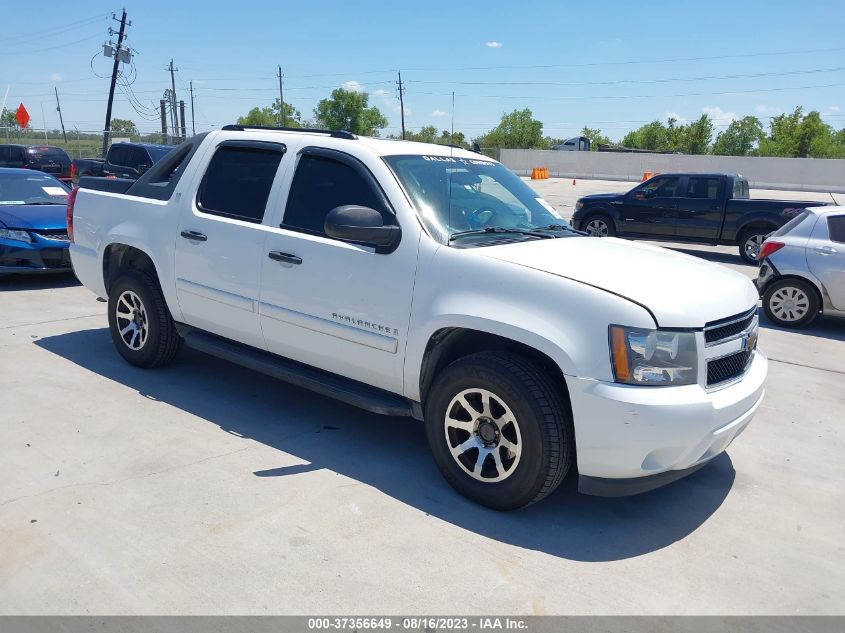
(140,323)
(498,430)
(750,243)
(791,303)
(599,225)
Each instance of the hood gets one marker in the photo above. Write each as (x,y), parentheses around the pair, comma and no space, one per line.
(597,197)
(33,216)
(679,290)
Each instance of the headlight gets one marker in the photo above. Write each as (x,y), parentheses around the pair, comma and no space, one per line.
(653,357)
(579,205)
(18,236)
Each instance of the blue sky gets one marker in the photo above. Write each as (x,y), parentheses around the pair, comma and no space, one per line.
(602,64)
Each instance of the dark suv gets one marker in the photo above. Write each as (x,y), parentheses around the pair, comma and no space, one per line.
(51,160)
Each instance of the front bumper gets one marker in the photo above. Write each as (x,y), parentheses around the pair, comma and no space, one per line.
(41,256)
(644,437)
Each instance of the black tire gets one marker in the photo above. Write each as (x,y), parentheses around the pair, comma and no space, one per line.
(592,225)
(791,303)
(162,341)
(750,241)
(541,417)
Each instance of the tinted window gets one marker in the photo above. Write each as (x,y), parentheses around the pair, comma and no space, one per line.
(237,182)
(138,157)
(836,228)
(321,184)
(4,155)
(158,152)
(663,188)
(703,188)
(118,155)
(786,228)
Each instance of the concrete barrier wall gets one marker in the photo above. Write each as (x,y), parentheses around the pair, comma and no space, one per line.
(795,174)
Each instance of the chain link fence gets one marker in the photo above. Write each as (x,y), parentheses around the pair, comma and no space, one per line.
(80,143)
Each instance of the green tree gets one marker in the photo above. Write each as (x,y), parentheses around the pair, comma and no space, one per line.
(740,138)
(695,137)
(518,129)
(123,127)
(7,120)
(799,136)
(652,136)
(271,116)
(349,110)
(596,138)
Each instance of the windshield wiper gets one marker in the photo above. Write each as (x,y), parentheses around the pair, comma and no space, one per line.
(498,229)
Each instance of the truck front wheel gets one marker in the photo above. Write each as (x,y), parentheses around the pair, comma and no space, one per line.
(141,327)
(598,225)
(499,430)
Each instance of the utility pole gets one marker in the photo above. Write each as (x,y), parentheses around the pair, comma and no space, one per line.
(120,34)
(193,127)
(182,111)
(61,119)
(282,115)
(162,103)
(173,98)
(402,103)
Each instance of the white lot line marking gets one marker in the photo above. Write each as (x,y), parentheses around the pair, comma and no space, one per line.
(84,316)
(789,362)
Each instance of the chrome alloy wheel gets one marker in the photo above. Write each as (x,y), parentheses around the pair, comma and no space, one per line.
(482,435)
(752,245)
(789,303)
(597,228)
(132,320)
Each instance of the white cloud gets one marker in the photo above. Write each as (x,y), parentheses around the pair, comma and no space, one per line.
(380,92)
(834,108)
(353,86)
(55,77)
(719,117)
(438,113)
(493,44)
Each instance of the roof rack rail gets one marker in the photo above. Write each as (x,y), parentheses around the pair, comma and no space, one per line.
(332,133)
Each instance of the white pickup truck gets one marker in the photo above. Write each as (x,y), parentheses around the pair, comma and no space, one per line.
(428,281)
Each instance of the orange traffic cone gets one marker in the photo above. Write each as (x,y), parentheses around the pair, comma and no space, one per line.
(534,173)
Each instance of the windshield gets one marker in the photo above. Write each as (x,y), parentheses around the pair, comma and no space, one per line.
(455,194)
(31,188)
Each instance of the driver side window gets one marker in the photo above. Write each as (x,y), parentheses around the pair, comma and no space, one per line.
(319,185)
(668,187)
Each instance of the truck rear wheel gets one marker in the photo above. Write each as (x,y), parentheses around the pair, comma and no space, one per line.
(139,321)
(498,430)
(750,242)
(598,225)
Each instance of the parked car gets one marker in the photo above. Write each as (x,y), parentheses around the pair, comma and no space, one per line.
(420,280)
(123,160)
(803,268)
(33,231)
(46,158)
(696,208)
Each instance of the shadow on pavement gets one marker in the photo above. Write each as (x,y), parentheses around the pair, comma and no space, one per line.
(391,454)
(41,281)
(713,256)
(828,327)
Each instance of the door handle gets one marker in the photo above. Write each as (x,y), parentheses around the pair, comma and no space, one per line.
(826,250)
(194,236)
(284,257)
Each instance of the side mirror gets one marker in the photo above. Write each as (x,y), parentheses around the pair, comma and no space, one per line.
(353,223)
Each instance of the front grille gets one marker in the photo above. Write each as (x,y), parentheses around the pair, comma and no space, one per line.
(716,331)
(728,367)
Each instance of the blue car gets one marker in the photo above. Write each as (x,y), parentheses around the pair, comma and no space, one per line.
(33,224)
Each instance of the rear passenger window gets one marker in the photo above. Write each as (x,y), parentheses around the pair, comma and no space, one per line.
(836,228)
(321,184)
(237,182)
(703,188)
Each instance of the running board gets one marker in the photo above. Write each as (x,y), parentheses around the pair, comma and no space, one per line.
(344,389)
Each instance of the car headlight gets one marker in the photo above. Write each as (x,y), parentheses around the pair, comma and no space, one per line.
(579,205)
(18,236)
(653,357)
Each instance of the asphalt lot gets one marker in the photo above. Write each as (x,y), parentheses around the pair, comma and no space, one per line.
(204,488)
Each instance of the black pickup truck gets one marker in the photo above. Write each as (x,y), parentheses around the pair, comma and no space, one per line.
(697,208)
(123,160)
